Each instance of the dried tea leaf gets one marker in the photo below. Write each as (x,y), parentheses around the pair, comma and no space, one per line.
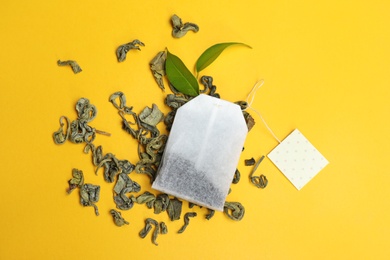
(147,198)
(237,177)
(211,214)
(161,203)
(186,221)
(151,116)
(73,64)
(60,136)
(180,29)
(250,162)
(157,66)
(118,219)
(77,181)
(250,121)
(209,55)
(89,195)
(259,181)
(237,211)
(148,226)
(174,209)
(209,88)
(123,49)
(180,77)
(163,228)
(123,186)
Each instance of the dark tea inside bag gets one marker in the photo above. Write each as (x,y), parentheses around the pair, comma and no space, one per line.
(202,151)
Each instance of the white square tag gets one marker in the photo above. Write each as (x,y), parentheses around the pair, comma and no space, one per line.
(297,159)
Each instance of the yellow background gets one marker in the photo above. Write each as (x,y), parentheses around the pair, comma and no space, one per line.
(326,71)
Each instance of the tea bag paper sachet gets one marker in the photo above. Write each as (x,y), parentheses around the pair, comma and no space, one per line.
(202,151)
(297,159)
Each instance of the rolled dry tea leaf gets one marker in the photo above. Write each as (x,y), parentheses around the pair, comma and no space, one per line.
(122,50)
(73,64)
(147,198)
(148,226)
(250,162)
(259,181)
(157,66)
(174,209)
(161,203)
(236,209)
(89,195)
(186,221)
(210,214)
(180,29)
(237,177)
(60,136)
(77,181)
(118,219)
(163,228)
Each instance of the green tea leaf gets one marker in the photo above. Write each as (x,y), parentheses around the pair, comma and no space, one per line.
(180,77)
(209,55)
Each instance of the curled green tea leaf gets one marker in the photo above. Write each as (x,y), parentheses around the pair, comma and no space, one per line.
(89,195)
(180,29)
(210,214)
(236,209)
(161,203)
(157,66)
(73,64)
(187,217)
(209,55)
(118,219)
(259,181)
(148,226)
(163,228)
(237,177)
(122,50)
(60,136)
(180,77)
(77,181)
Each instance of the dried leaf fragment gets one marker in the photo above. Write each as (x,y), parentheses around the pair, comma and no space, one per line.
(73,64)
(180,29)
(187,217)
(250,162)
(118,219)
(122,50)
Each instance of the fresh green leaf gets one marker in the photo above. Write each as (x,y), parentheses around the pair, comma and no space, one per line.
(180,77)
(209,55)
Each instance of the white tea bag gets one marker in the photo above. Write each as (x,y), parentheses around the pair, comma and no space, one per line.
(202,151)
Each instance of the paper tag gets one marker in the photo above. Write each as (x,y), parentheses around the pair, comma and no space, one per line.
(297,159)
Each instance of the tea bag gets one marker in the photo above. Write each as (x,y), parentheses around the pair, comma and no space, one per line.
(202,151)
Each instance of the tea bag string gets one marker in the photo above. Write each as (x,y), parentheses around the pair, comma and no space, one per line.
(251,97)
